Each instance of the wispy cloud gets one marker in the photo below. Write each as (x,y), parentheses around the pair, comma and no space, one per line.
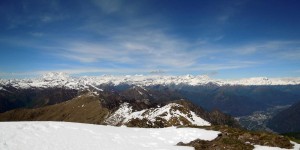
(222,66)
(110,6)
(211,69)
(292,55)
(75,71)
(37,34)
(157,72)
(149,48)
(229,9)
(114,37)
(281,49)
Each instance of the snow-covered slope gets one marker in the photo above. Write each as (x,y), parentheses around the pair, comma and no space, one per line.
(171,114)
(75,136)
(63,80)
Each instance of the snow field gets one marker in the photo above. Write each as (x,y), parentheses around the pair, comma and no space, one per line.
(259,147)
(77,136)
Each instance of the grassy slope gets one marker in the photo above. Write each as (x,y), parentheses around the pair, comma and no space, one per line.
(84,109)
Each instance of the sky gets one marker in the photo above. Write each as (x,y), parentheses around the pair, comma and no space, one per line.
(219,38)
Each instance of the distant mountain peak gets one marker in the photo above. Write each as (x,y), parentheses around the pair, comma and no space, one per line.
(60,79)
(55,76)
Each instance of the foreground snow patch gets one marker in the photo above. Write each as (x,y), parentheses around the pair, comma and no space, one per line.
(259,147)
(77,136)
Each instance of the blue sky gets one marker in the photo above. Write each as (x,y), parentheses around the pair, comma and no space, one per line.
(220,38)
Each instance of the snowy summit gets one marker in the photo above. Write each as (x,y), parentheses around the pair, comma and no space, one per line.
(64,80)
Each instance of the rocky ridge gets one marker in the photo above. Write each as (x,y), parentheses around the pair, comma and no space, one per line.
(93,108)
(171,114)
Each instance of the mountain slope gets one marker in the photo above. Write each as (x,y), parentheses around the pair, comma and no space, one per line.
(85,109)
(12,98)
(287,120)
(114,109)
(215,117)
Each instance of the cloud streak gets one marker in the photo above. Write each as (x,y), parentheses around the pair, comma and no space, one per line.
(147,49)
(124,71)
(289,49)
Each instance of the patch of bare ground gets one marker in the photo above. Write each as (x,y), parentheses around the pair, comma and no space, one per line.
(237,139)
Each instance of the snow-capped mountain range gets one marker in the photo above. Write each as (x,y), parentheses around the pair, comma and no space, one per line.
(54,79)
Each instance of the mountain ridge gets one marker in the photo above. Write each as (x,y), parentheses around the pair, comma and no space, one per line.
(85,82)
(91,108)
